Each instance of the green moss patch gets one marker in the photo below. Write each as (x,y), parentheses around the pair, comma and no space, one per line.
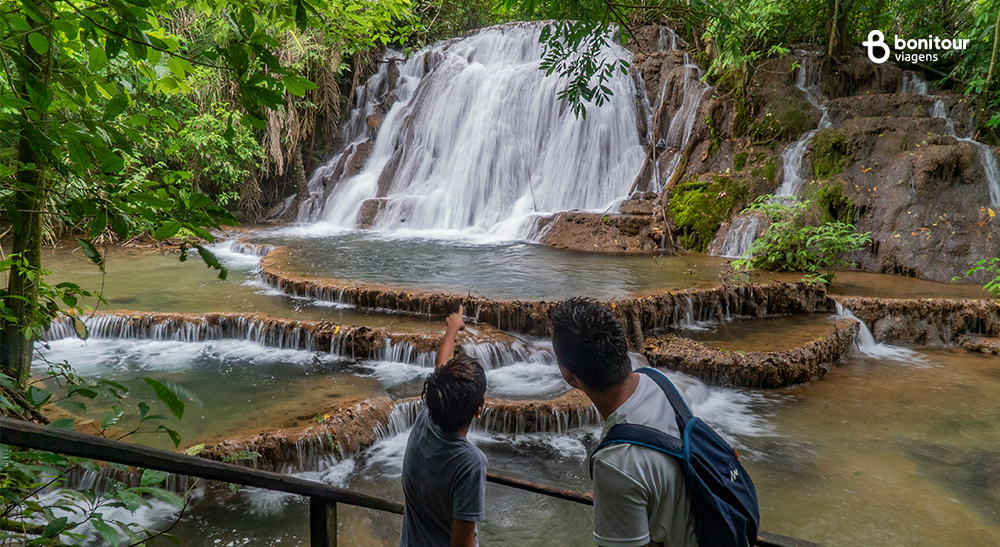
(831,153)
(832,205)
(698,208)
(782,123)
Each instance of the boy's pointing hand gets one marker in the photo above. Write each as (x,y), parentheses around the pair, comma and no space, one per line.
(454,321)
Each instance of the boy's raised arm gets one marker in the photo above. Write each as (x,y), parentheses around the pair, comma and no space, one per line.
(454,324)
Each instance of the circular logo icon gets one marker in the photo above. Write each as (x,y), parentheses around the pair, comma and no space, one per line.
(876,39)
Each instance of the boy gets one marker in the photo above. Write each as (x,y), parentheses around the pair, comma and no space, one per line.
(640,498)
(444,475)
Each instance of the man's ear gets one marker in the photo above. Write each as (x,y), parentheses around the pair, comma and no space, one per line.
(571,379)
(479,412)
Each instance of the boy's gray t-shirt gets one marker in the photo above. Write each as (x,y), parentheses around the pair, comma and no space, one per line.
(444,478)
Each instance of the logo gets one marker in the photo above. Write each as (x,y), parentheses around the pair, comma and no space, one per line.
(877,39)
(876,43)
(734,474)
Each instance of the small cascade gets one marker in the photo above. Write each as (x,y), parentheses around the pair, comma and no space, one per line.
(792,158)
(983,152)
(274,334)
(443,157)
(491,355)
(684,315)
(250,249)
(668,40)
(401,419)
(736,239)
(678,131)
(913,84)
(865,341)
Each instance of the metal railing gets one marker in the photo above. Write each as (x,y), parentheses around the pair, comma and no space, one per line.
(323,499)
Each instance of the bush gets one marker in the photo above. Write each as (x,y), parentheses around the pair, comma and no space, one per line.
(791,245)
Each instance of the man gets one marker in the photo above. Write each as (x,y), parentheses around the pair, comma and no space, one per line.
(444,475)
(640,498)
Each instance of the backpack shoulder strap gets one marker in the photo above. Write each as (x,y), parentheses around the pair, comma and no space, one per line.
(646,436)
(684,413)
(640,435)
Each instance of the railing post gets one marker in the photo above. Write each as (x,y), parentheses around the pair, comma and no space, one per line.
(322,523)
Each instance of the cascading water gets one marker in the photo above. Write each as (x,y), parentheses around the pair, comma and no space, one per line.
(806,80)
(865,341)
(736,241)
(678,132)
(983,152)
(913,84)
(476,141)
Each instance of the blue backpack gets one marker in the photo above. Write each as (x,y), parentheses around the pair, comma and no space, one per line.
(722,495)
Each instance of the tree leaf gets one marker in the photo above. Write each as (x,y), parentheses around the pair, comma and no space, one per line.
(110,418)
(195,450)
(107,532)
(212,262)
(174,436)
(168,397)
(152,477)
(297,85)
(91,252)
(167,230)
(39,43)
(64,423)
(38,396)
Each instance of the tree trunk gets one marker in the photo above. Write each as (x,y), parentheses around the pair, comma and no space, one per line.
(835,41)
(30,193)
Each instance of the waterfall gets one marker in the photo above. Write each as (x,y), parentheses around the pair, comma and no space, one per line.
(476,141)
(678,132)
(983,152)
(913,84)
(806,80)
(735,241)
(865,341)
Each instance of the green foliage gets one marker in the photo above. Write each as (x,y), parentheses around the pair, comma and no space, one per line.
(63,514)
(52,299)
(831,153)
(992,267)
(218,162)
(574,50)
(790,244)
(699,208)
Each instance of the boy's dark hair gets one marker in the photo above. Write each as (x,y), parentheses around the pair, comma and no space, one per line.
(454,392)
(589,341)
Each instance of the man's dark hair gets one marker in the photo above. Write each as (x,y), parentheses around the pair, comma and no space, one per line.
(454,392)
(589,341)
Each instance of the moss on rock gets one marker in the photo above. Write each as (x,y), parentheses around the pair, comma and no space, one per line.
(699,207)
(783,122)
(831,203)
(831,153)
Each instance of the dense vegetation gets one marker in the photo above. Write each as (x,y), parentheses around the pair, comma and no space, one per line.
(171,117)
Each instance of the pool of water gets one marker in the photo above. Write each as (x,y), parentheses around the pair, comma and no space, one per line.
(248,388)
(529,271)
(144,280)
(772,333)
(877,452)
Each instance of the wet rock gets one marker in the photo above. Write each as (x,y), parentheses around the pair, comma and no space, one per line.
(981,344)
(926,322)
(636,207)
(753,369)
(374,123)
(623,233)
(370,208)
(346,429)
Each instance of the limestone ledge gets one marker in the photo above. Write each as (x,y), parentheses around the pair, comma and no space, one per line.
(772,369)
